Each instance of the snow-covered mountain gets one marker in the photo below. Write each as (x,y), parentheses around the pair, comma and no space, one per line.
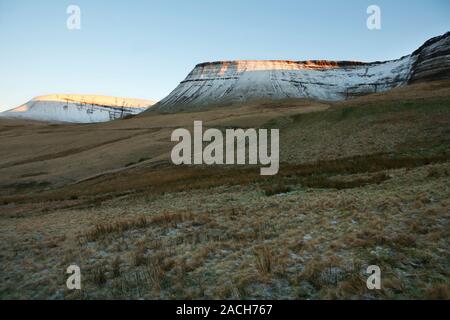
(78,108)
(224,82)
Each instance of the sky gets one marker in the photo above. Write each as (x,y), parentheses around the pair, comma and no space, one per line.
(143,49)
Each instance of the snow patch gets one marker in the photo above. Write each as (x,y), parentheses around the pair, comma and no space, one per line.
(78,108)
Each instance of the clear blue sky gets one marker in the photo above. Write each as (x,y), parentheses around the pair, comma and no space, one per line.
(143,49)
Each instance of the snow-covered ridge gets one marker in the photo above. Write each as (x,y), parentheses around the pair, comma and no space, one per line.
(223,82)
(77,108)
(97,99)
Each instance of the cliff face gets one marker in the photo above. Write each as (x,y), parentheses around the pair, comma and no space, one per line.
(223,82)
(77,108)
(432,60)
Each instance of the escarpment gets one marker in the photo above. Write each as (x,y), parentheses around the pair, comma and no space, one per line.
(225,82)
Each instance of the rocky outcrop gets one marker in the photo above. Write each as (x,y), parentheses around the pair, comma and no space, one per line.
(78,108)
(432,60)
(225,82)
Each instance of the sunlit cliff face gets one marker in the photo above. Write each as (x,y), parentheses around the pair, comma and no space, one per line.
(221,68)
(97,100)
(77,108)
(223,83)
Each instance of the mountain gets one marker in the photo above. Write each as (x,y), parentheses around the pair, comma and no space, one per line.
(78,108)
(227,82)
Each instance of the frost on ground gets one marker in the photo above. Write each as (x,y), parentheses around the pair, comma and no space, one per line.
(237,242)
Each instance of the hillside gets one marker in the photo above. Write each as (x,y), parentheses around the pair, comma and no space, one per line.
(75,152)
(77,108)
(361,182)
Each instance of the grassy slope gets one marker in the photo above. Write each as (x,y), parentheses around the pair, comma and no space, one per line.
(360,184)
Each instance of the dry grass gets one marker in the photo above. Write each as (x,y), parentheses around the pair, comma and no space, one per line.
(102,230)
(308,243)
(98,275)
(278,188)
(264,260)
(115,266)
(439,292)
